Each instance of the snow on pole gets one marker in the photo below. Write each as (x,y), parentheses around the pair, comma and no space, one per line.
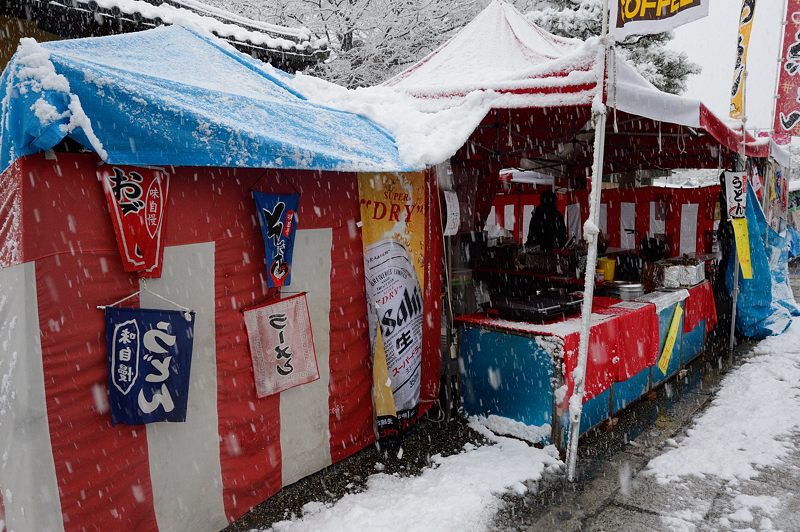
(591,231)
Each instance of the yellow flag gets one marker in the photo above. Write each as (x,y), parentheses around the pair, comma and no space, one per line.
(743,42)
(669,343)
(742,237)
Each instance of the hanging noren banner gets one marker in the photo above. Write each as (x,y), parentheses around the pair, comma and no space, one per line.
(277,214)
(742,45)
(137,199)
(393,234)
(787,107)
(641,17)
(281,345)
(149,359)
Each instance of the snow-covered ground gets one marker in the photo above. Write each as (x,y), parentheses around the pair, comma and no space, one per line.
(737,466)
(461,492)
(749,423)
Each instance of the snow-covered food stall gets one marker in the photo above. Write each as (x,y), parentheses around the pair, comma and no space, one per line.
(520,97)
(179,130)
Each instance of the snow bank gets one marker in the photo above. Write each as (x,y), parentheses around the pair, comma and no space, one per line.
(458,493)
(509,427)
(749,421)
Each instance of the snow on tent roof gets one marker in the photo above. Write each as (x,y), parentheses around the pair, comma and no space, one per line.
(171,96)
(501,60)
(500,50)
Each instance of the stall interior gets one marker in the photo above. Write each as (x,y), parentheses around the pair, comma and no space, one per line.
(517,293)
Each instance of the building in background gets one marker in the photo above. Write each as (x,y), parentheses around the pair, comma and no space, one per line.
(289,49)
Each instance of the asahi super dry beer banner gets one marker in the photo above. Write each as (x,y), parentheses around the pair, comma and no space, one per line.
(393,235)
(787,108)
(137,199)
(640,17)
(742,44)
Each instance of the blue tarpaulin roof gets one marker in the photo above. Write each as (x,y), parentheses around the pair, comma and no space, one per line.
(171,96)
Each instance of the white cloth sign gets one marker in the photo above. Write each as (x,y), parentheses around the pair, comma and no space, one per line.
(736,194)
(453,220)
(689,228)
(281,345)
(573,213)
(508,217)
(641,17)
(627,225)
(527,214)
(657,218)
(604,219)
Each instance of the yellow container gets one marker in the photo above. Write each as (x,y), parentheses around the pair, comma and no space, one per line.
(607,265)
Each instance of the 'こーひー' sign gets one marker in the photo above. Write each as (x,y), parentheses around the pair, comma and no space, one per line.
(277,214)
(137,199)
(149,359)
(281,345)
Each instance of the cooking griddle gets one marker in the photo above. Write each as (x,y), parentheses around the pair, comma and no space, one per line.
(536,309)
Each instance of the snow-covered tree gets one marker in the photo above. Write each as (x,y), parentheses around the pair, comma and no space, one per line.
(374,39)
(666,69)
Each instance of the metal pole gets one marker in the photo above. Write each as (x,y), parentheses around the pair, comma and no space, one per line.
(590,231)
(732,341)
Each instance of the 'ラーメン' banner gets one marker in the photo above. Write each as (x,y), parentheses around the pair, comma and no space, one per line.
(137,199)
(787,107)
(640,17)
(393,235)
(742,44)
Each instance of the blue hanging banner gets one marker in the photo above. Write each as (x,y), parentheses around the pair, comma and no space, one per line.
(277,214)
(149,360)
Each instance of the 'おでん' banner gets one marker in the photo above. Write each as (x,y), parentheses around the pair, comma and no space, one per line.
(787,107)
(277,214)
(641,17)
(281,345)
(393,235)
(137,199)
(149,360)
(742,45)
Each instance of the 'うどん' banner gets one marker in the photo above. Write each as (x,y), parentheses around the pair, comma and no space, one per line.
(641,17)
(137,199)
(393,235)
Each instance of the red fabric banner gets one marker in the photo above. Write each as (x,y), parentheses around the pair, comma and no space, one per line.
(700,306)
(787,108)
(137,200)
